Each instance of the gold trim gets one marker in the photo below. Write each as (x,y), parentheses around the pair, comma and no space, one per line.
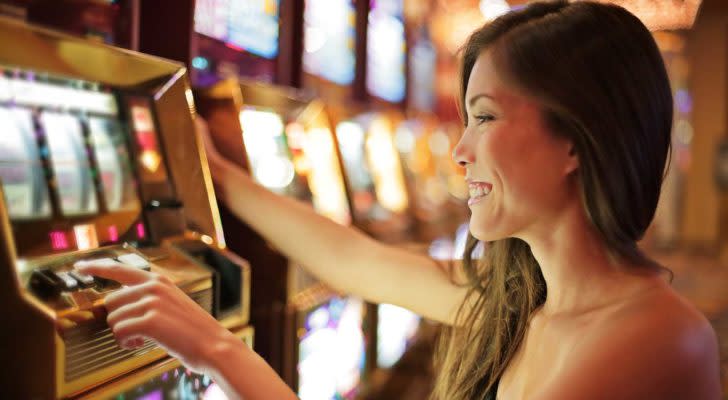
(246,334)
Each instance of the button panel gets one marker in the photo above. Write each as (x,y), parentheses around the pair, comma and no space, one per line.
(50,281)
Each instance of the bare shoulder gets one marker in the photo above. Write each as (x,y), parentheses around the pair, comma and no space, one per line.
(657,346)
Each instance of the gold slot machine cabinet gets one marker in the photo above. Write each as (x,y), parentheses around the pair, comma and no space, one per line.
(99,161)
(316,338)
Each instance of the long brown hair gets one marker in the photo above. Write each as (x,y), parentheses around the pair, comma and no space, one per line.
(600,80)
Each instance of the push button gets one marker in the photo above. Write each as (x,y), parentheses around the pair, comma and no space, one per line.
(45,283)
(83,280)
(134,260)
(68,282)
(101,283)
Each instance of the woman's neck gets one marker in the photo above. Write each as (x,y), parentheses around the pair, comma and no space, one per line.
(580,273)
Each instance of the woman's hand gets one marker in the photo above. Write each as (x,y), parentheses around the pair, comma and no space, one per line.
(152,306)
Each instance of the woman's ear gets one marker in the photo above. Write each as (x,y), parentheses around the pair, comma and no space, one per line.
(572,162)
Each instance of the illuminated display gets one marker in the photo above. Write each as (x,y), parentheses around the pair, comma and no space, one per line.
(329,40)
(70,163)
(385,166)
(386,50)
(150,159)
(86,237)
(33,93)
(315,157)
(211,18)
(23,180)
(423,58)
(66,167)
(426,157)
(265,144)
(250,25)
(332,351)
(114,165)
(372,167)
(396,328)
(179,383)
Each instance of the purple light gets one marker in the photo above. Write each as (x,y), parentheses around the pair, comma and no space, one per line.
(684,101)
(155,395)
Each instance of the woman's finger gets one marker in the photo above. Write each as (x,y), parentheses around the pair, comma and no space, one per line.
(116,271)
(132,294)
(132,328)
(132,310)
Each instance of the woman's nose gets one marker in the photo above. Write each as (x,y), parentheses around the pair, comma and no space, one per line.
(462,154)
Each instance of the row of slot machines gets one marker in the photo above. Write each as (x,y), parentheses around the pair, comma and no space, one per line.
(100,161)
(355,168)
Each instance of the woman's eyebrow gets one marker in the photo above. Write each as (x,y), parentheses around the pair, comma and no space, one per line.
(476,97)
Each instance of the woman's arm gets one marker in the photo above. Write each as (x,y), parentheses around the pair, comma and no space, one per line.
(343,257)
(151,306)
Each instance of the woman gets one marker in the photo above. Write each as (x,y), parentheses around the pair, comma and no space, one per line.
(567,112)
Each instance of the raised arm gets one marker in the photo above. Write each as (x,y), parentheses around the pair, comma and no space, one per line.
(342,257)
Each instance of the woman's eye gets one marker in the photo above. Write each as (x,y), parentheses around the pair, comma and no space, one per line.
(484,118)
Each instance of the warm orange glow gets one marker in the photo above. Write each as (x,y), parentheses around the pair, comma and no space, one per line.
(86,237)
(386,168)
(150,160)
(660,14)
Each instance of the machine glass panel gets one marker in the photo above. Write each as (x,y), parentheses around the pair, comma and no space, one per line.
(270,159)
(65,163)
(373,168)
(332,351)
(386,51)
(23,181)
(251,26)
(69,159)
(396,328)
(112,156)
(330,37)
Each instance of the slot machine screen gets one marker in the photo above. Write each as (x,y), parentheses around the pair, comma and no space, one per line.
(266,145)
(373,169)
(329,40)
(351,138)
(70,163)
(332,351)
(114,164)
(386,50)
(66,163)
(396,329)
(314,156)
(26,194)
(250,25)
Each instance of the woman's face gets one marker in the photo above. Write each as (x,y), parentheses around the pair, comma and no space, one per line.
(517,170)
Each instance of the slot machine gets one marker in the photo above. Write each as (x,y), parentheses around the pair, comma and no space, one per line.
(99,161)
(435,182)
(317,338)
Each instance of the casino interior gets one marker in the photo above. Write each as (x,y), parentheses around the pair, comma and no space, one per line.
(346,105)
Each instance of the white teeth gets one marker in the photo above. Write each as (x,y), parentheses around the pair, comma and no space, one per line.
(479,190)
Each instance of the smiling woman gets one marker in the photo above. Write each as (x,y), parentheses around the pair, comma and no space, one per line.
(567,111)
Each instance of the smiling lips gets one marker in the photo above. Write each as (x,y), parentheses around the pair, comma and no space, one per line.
(478,190)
